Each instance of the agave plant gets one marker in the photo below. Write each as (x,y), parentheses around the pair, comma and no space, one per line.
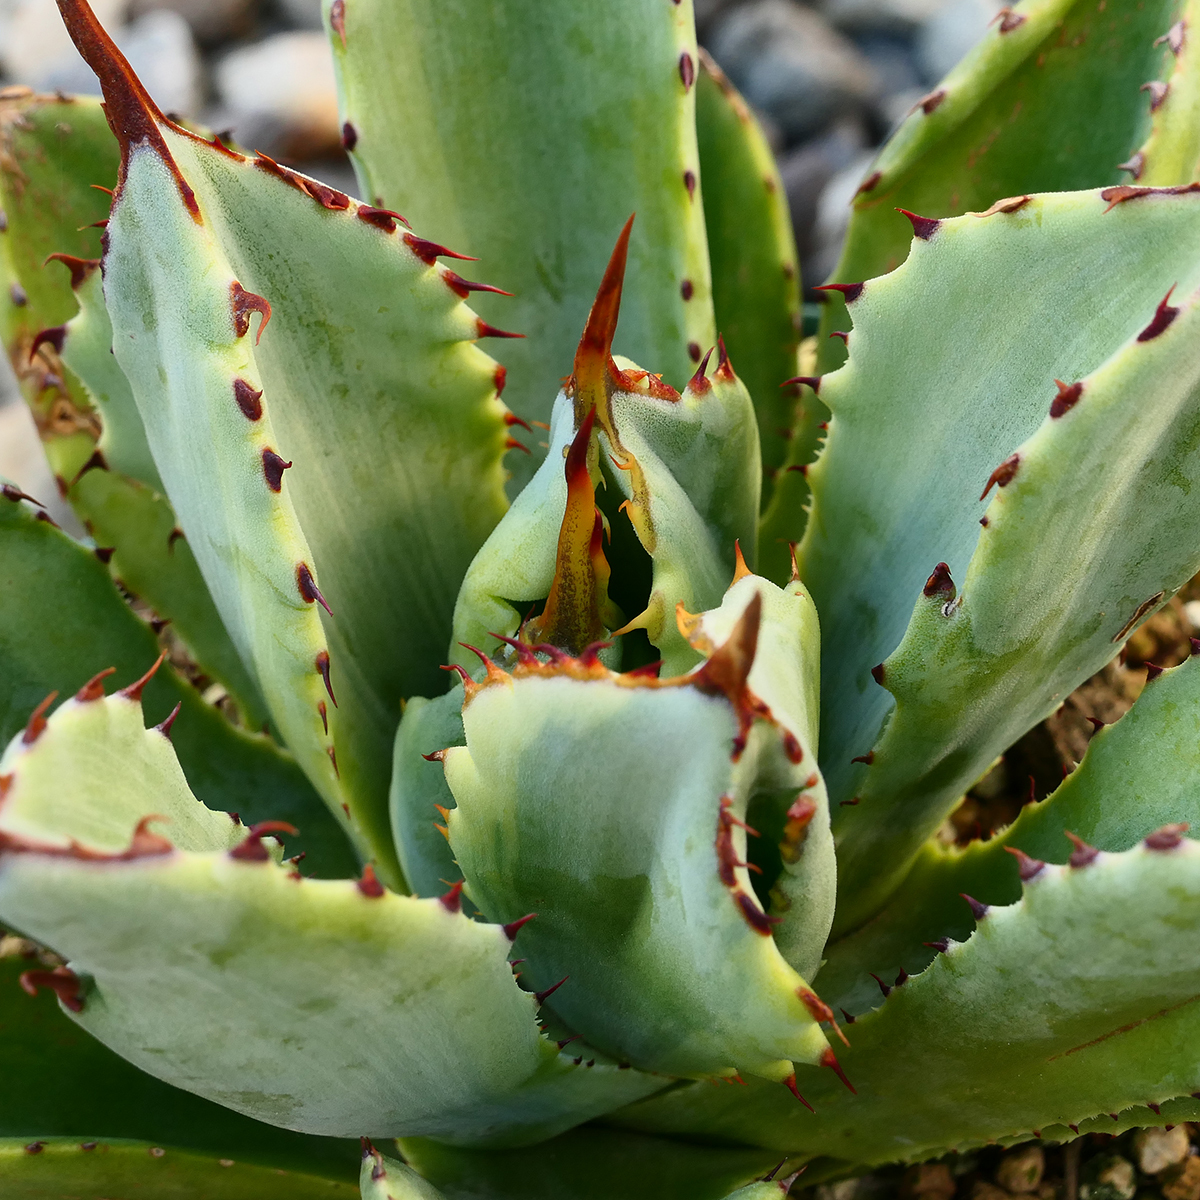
(565,839)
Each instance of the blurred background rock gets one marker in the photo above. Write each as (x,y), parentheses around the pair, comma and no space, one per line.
(828,79)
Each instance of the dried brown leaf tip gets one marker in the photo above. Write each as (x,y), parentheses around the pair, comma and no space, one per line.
(369,884)
(306,585)
(850,291)
(1010,204)
(932,101)
(37,721)
(248,399)
(1163,316)
(1158,93)
(870,183)
(1167,838)
(1067,398)
(1003,475)
(939,584)
(243,304)
(923,227)
(67,986)
(1174,37)
(1028,868)
(1121,193)
(132,114)
(1135,165)
(80,268)
(1083,855)
(94,688)
(252,849)
(274,466)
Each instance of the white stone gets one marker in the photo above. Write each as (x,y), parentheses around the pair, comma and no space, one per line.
(791,65)
(33,38)
(37,51)
(210,20)
(304,14)
(950,32)
(892,16)
(280,94)
(1157,1149)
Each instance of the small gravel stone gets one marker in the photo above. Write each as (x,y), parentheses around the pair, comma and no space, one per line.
(932,1181)
(988,1191)
(880,16)
(279,96)
(159,46)
(1021,1169)
(833,216)
(807,170)
(303,14)
(949,33)
(1182,1181)
(1157,1149)
(210,20)
(33,38)
(1111,1177)
(790,64)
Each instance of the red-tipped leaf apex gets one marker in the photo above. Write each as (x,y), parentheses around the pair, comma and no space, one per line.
(540,997)
(1083,855)
(514,927)
(135,689)
(829,1059)
(790,1084)
(850,291)
(94,688)
(923,227)
(164,726)
(451,901)
(1028,868)
(595,345)
(133,116)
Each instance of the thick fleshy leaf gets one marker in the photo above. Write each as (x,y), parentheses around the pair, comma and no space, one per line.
(73,382)
(52,149)
(794,847)
(1171,154)
(1120,452)
(1076,1002)
(153,562)
(97,745)
(37,1168)
(90,1092)
(591,1164)
(62,621)
(643,897)
(943,417)
(685,468)
(419,791)
(356,1009)
(425,86)
(1137,776)
(762,1190)
(756,279)
(1006,122)
(85,346)
(354,444)
(383,1178)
